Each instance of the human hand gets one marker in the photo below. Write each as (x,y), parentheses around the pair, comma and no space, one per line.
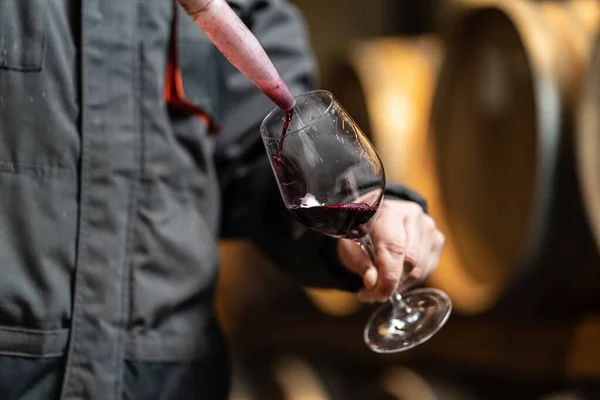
(407,246)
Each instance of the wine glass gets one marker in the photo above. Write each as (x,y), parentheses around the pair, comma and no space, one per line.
(332,180)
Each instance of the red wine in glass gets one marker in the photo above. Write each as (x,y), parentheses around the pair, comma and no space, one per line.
(338,220)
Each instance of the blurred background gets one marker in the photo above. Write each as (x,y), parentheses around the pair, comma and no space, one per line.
(490,109)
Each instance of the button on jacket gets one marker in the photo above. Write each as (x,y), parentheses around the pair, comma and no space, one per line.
(111,200)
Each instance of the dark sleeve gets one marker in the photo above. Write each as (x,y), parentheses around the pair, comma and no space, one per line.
(252,206)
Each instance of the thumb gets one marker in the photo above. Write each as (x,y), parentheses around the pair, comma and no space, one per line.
(355,259)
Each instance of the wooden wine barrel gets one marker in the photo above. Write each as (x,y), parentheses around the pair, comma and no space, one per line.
(388,86)
(502,123)
(588,142)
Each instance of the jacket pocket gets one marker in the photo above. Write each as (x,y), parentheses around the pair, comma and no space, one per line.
(22,35)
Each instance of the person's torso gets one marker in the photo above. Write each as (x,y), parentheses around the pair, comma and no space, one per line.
(109,204)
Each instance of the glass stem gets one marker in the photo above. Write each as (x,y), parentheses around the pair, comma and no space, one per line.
(398,304)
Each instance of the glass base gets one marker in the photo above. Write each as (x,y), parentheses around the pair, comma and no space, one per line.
(428,310)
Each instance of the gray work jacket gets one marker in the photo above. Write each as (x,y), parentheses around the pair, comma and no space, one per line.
(111,202)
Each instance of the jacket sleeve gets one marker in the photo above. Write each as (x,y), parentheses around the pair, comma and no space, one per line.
(252,206)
